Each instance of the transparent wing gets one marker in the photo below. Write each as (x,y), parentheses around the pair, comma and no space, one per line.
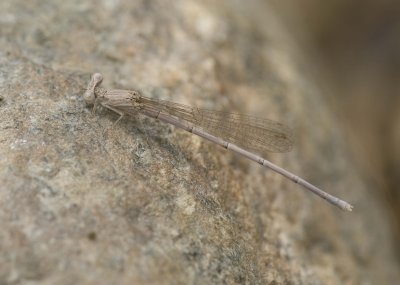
(248,132)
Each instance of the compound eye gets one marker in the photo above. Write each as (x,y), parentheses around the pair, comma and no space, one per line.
(89,95)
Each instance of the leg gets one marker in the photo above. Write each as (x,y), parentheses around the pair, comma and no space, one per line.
(121,115)
(95,106)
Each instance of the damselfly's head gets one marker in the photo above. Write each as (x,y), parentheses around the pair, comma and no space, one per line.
(89,95)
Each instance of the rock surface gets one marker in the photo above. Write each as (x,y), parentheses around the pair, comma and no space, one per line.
(83,201)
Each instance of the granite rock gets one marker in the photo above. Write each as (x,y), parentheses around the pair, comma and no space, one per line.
(84,201)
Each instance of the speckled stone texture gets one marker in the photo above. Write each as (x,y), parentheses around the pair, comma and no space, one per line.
(83,201)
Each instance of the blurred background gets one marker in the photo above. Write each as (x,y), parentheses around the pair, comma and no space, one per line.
(358,45)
